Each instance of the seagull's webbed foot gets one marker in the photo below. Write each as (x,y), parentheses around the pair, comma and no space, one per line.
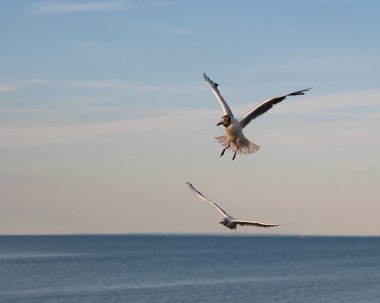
(229,143)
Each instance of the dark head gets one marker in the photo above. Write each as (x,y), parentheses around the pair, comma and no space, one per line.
(224,221)
(225,120)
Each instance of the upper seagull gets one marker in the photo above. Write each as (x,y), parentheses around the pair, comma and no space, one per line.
(234,138)
(229,221)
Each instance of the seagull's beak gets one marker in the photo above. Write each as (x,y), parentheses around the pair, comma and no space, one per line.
(220,123)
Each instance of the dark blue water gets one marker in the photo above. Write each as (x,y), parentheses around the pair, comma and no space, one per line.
(189,269)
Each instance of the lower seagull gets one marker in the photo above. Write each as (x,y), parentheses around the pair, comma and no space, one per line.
(229,221)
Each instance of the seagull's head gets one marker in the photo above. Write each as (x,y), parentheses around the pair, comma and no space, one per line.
(224,221)
(225,120)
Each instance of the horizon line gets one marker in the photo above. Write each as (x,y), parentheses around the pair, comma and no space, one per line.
(187,234)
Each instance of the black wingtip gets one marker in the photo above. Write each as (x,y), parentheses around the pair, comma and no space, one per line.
(214,84)
(300,92)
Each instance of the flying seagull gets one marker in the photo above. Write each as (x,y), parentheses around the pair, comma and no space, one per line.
(234,138)
(229,221)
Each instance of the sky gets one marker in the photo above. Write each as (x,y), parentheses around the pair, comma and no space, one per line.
(104,115)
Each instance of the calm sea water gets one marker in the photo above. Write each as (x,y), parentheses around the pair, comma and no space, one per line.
(91,269)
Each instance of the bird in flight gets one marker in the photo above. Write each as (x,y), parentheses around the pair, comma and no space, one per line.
(234,138)
(229,221)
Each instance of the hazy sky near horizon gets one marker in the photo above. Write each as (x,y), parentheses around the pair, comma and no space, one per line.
(104,115)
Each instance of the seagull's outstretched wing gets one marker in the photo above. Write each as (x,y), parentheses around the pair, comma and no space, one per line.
(214,88)
(263,107)
(244,222)
(212,203)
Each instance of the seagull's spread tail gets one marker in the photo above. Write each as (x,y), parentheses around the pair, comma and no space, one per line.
(246,147)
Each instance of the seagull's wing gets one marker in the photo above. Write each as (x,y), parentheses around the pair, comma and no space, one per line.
(204,198)
(254,223)
(263,107)
(214,88)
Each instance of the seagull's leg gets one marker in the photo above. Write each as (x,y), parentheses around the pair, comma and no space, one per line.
(237,148)
(229,143)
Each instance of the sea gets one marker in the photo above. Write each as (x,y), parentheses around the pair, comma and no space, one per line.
(189,268)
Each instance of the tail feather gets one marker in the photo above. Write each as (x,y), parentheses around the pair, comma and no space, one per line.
(247,147)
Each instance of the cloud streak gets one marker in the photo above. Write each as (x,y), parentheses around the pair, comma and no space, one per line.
(348,103)
(31,136)
(55,7)
(65,7)
(6,88)
(109,84)
(337,108)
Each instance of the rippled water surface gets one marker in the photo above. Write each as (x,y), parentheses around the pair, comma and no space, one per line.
(161,268)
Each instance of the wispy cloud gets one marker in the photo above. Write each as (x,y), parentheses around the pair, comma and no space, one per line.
(64,7)
(6,88)
(337,63)
(126,85)
(354,102)
(47,7)
(357,103)
(109,84)
(362,106)
(191,31)
(30,136)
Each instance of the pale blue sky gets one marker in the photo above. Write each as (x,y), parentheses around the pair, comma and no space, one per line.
(104,115)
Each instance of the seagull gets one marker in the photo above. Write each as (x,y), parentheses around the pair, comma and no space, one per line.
(234,138)
(229,221)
